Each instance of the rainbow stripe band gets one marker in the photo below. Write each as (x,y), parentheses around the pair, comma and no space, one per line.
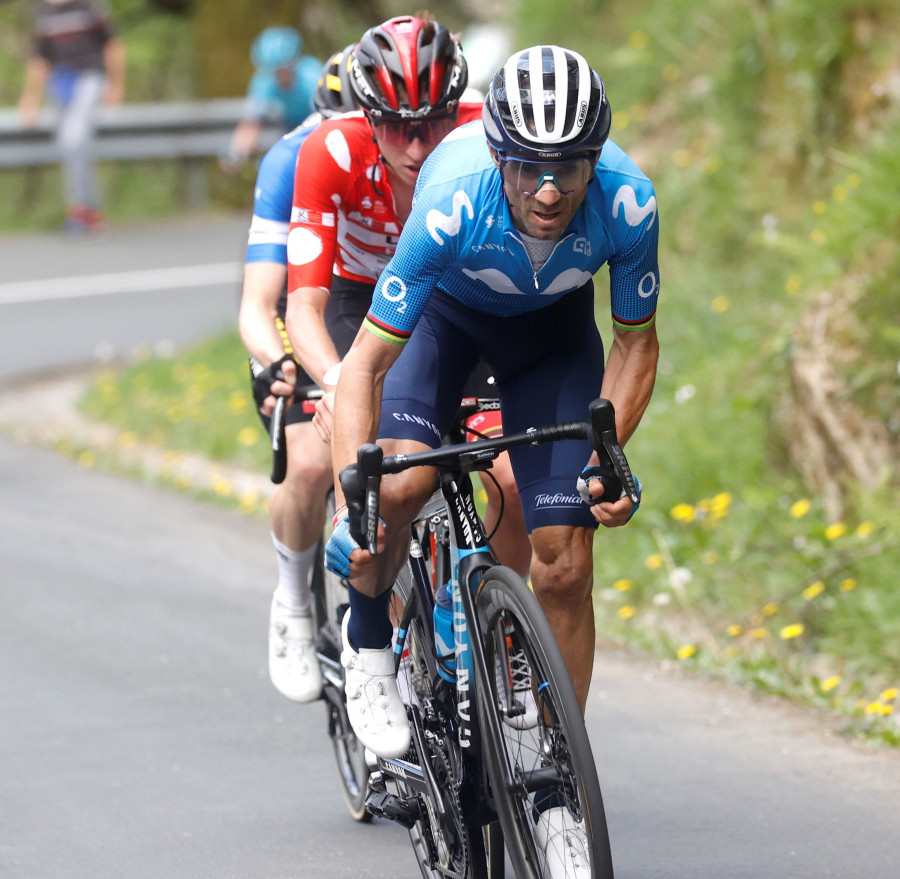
(642,324)
(384,331)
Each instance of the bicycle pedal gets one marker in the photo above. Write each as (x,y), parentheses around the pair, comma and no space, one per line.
(403,810)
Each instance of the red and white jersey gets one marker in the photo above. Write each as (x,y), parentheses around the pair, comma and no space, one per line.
(343,220)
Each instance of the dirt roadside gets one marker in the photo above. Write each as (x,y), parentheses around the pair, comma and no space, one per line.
(43,411)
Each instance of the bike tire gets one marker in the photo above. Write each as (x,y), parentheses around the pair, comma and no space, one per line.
(444,846)
(556,746)
(330,601)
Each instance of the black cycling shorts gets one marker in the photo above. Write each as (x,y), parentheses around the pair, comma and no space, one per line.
(548,366)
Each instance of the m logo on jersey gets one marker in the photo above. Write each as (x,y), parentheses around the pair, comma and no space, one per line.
(436,222)
(635,214)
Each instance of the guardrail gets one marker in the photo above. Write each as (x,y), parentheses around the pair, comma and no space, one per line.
(186,130)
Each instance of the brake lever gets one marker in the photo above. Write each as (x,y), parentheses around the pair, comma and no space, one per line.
(605,442)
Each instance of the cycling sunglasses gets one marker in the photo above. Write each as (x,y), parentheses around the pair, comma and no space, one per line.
(528,177)
(401,134)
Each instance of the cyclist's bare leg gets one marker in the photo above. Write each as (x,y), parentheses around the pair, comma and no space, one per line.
(562,576)
(511,540)
(297,506)
(402,496)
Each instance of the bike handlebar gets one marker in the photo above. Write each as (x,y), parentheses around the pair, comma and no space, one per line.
(277,426)
(360,481)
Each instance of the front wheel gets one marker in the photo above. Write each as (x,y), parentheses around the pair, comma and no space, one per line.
(539,753)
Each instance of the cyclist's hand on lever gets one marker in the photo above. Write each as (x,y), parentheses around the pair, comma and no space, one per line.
(607,483)
(358,533)
(276,380)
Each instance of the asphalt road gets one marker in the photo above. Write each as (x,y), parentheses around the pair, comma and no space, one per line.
(141,738)
(73,301)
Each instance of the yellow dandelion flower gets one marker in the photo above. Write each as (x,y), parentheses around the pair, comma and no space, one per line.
(848,585)
(793,285)
(795,630)
(638,40)
(889,695)
(686,651)
(712,164)
(770,609)
(878,708)
(836,530)
(620,120)
(249,502)
(682,158)
(818,236)
(853,180)
(820,207)
(682,513)
(758,633)
(829,684)
(654,561)
(248,436)
(864,529)
(800,508)
(110,393)
(127,439)
(671,72)
(622,585)
(839,194)
(87,459)
(813,590)
(720,304)
(481,496)
(626,612)
(238,402)
(221,486)
(734,630)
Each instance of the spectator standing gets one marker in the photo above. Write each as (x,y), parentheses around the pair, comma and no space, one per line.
(282,88)
(81,62)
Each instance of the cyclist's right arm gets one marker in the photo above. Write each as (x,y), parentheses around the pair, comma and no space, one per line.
(320,184)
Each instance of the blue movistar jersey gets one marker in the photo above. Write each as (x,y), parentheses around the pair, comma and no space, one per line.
(273,195)
(460,238)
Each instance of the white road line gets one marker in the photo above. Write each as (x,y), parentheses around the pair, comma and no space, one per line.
(141,281)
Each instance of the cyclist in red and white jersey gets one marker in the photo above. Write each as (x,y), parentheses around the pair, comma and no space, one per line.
(353,187)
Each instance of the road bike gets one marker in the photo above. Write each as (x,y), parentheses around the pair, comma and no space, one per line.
(330,602)
(497,733)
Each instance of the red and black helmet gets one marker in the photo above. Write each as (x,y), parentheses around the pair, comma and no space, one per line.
(408,68)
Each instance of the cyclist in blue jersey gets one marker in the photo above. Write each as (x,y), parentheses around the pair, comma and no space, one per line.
(282,88)
(297,506)
(511,219)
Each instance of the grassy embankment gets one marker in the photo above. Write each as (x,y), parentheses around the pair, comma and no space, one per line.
(773,145)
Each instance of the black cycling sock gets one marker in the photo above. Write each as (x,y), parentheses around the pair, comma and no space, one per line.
(546,798)
(369,626)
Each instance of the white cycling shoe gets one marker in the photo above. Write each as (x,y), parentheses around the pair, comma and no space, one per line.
(564,843)
(293,666)
(374,705)
(517,681)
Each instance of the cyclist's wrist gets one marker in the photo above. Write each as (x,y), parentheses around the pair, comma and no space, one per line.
(339,513)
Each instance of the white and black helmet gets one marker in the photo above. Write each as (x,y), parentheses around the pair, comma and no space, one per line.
(546,103)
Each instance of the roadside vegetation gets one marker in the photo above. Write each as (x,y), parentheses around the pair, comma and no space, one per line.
(767,546)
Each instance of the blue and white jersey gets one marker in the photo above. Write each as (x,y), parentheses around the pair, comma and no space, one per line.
(460,238)
(273,196)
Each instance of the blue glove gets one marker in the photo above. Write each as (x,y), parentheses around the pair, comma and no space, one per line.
(339,547)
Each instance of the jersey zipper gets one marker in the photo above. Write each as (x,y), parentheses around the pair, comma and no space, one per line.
(536,272)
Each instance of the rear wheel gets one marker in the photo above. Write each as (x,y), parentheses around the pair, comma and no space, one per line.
(331,601)
(539,752)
